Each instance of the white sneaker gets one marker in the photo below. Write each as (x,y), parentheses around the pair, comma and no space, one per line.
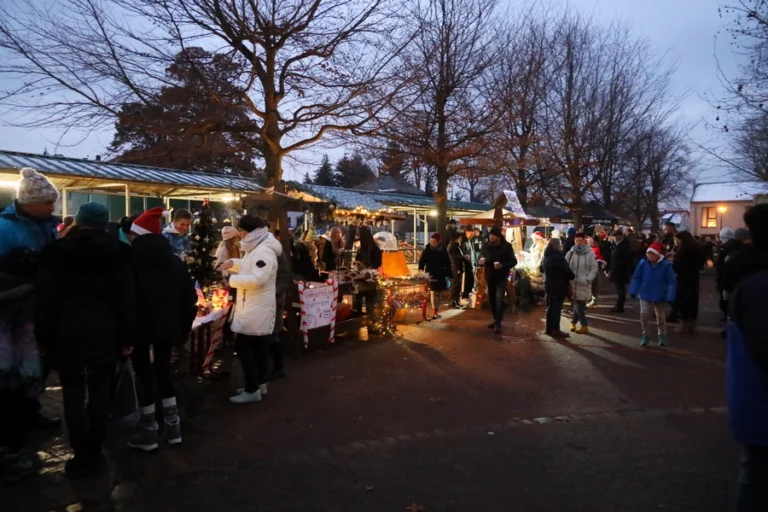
(262,390)
(246,398)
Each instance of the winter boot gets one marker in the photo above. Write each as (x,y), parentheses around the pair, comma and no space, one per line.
(663,341)
(582,330)
(16,466)
(171,421)
(573,326)
(145,437)
(246,398)
(644,341)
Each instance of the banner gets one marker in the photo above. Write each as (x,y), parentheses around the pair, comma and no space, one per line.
(318,307)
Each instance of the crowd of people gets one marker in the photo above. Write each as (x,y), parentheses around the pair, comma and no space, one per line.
(78,298)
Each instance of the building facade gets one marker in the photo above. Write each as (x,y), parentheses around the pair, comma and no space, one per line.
(715,206)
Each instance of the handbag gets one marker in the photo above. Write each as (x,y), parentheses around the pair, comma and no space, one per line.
(125,401)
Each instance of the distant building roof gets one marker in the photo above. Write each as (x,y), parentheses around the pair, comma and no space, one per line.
(733,191)
(390,184)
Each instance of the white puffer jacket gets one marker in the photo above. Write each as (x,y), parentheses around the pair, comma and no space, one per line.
(254,279)
(582,261)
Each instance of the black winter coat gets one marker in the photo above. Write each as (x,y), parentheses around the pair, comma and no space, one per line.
(504,254)
(730,247)
(621,266)
(436,263)
(456,255)
(557,273)
(86,304)
(167,301)
(687,266)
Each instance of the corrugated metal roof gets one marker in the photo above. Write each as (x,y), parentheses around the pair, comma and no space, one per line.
(740,191)
(350,199)
(344,198)
(95,169)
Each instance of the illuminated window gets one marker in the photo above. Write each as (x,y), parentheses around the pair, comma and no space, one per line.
(709,217)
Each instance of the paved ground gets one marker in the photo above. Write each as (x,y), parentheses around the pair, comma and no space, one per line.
(445,416)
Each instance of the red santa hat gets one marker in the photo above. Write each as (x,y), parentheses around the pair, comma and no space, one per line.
(150,222)
(656,249)
(537,235)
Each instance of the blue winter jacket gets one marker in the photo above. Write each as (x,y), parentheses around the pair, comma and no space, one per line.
(180,244)
(747,361)
(747,391)
(17,230)
(654,283)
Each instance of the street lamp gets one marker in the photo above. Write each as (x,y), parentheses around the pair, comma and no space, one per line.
(721,210)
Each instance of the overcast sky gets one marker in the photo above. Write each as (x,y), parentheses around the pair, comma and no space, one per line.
(684,28)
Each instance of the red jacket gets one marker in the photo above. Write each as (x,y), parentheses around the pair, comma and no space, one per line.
(598,254)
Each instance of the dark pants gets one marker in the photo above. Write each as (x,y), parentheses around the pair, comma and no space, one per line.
(276,351)
(469,280)
(252,351)
(687,298)
(496,292)
(621,292)
(554,310)
(15,410)
(455,285)
(87,425)
(753,491)
(154,377)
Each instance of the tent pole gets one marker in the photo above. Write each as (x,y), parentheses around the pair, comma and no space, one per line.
(414,235)
(127,201)
(63,202)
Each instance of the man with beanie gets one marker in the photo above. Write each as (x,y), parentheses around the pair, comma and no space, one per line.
(166,307)
(29,224)
(497,259)
(85,319)
(456,257)
(29,221)
(747,361)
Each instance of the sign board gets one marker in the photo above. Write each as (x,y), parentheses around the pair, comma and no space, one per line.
(318,305)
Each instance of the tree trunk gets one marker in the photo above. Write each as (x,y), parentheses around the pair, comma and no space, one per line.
(441,198)
(273,167)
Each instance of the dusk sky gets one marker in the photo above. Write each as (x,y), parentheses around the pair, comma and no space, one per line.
(686,29)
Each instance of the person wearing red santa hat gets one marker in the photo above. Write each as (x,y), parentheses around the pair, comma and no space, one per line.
(166,307)
(654,282)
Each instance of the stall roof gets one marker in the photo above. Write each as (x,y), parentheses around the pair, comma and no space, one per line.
(95,174)
(391,185)
(372,201)
(345,199)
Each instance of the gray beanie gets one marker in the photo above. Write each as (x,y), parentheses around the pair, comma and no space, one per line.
(726,234)
(742,235)
(92,215)
(35,188)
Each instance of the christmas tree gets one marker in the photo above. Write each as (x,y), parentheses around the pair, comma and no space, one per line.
(201,257)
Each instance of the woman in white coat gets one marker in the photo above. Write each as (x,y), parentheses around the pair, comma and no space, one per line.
(583,263)
(254,277)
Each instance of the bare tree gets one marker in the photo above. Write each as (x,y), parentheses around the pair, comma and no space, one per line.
(602,85)
(450,113)
(310,67)
(656,172)
(520,88)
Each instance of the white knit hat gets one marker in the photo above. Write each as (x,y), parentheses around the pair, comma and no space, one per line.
(35,188)
(726,234)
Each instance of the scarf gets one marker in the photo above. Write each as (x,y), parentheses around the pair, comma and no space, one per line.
(254,238)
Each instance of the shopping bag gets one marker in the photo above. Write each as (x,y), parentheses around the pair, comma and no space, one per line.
(125,401)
